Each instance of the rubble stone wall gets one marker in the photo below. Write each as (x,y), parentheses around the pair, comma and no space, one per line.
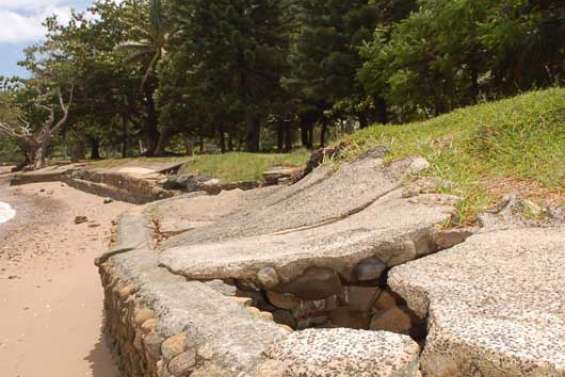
(132,329)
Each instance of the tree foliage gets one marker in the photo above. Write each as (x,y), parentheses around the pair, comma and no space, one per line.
(249,74)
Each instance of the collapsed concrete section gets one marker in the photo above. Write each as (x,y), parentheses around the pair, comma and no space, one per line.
(219,294)
(316,253)
(495,304)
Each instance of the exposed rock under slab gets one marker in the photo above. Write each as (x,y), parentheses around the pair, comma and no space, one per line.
(495,304)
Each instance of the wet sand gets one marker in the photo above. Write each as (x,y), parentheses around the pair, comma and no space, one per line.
(50,296)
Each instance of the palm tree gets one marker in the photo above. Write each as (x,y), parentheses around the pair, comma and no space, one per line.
(146,49)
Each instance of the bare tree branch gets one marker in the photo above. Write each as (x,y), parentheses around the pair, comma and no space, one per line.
(65,109)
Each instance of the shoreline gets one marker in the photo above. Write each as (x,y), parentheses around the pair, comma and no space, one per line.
(50,291)
(7,213)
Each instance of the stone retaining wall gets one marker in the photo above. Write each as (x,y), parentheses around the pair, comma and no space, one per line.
(114,185)
(117,186)
(132,329)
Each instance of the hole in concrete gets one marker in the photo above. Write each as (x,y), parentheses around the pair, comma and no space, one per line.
(322,298)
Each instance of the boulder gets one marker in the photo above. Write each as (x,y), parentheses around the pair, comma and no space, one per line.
(369,269)
(394,320)
(495,304)
(283,300)
(361,298)
(315,284)
(351,319)
(385,301)
(274,175)
(444,239)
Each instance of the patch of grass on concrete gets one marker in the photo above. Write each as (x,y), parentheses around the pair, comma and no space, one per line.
(485,150)
(240,166)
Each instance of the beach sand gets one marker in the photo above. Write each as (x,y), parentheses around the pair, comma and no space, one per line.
(50,296)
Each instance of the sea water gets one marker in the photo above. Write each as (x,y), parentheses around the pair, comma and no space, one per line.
(6,212)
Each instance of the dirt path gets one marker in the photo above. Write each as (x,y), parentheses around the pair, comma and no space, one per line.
(50,294)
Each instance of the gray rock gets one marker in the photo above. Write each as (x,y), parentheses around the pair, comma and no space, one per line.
(345,353)
(495,304)
(223,288)
(351,319)
(268,277)
(314,307)
(284,317)
(316,283)
(385,301)
(394,320)
(81,220)
(369,269)
(183,363)
(378,152)
(283,300)
(418,165)
(445,239)
(274,175)
(173,346)
(361,298)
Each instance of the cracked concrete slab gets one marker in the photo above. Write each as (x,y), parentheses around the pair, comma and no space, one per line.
(401,235)
(331,219)
(495,304)
(342,353)
(324,196)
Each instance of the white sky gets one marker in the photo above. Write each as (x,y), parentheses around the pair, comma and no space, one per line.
(20,20)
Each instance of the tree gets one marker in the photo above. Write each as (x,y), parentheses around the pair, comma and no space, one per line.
(236,53)
(36,138)
(147,47)
(452,53)
(325,58)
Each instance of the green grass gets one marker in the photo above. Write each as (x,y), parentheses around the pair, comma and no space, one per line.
(136,161)
(239,166)
(520,140)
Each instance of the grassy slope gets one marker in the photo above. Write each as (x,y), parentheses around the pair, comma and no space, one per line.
(517,144)
(239,166)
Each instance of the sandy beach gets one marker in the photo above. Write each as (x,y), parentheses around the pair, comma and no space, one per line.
(50,294)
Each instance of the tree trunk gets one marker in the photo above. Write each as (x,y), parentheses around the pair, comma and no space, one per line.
(151,121)
(306,128)
(230,142)
(363,123)
(253,132)
(474,82)
(280,136)
(125,137)
(94,148)
(162,144)
(40,156)
(201,144)
(222,138)
(323,134)
(382,110)
(288,137)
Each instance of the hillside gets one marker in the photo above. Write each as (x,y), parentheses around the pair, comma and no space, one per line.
(484,151)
